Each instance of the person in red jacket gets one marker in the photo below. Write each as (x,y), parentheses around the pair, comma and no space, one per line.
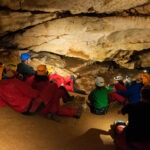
(50,96)
(68,82)
(17,94)
(118,85)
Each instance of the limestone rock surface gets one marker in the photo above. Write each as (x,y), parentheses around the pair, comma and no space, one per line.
(93,30)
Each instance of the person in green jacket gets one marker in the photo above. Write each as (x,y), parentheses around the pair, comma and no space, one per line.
(98,98)
(24,68)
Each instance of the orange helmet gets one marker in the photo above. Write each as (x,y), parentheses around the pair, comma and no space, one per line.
(42,70)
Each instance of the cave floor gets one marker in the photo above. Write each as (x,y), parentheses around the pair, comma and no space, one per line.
(19,132)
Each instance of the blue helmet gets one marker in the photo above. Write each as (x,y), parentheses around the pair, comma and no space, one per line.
(25,56)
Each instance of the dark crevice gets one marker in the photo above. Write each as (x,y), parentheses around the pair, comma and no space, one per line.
(4,8)
(138,53)
(135,57)
(68,14)
(91,12)
(95,14)
(46,52)
(134,12)
(5,40)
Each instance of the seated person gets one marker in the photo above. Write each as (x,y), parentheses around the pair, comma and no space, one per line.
(118,83)
(98,98)
(17,94)
(42,97)
(144,77)
(132,92)
(68,82)
(50,96)
(6,72)
(135,134)
(24,68)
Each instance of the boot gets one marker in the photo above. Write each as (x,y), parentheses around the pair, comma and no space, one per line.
(27,111)
(68,99)
(53,116)
(78,114)
(37,104)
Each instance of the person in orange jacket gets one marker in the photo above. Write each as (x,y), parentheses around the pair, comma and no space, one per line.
(144,77)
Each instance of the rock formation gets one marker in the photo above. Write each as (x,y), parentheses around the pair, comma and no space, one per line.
(92,30)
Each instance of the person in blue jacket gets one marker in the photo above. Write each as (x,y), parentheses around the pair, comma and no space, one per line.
(132,93)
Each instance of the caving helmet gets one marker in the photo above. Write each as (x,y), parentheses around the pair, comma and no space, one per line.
(42,70)
(118,78)
(25,56)
(99,81)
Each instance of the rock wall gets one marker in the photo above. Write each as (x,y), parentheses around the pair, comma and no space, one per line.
(97,30)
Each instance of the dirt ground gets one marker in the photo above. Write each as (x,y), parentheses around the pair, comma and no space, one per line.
(90,132)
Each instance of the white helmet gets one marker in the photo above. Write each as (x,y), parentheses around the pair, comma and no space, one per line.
(145,71)
(128,79)
(99,81)
(118,78)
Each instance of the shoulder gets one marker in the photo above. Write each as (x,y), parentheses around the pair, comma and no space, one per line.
(21,64)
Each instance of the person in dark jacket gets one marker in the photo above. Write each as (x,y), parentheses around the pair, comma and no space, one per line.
(136,133)
(24,68)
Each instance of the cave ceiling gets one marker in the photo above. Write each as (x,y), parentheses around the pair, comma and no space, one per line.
(93,30)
